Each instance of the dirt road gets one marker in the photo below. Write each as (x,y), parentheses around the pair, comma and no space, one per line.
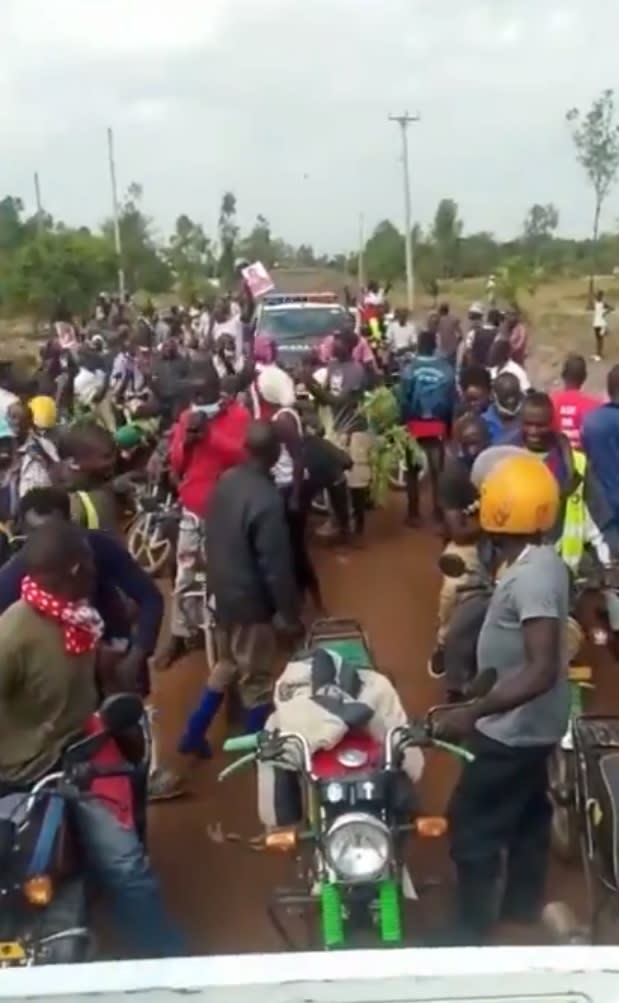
(219,891)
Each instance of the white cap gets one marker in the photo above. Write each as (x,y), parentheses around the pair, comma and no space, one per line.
(276,387)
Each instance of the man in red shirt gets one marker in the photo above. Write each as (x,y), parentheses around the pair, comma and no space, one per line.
(208,439)
(571,404)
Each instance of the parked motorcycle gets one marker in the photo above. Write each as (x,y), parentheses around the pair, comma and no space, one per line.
(44,916)
(152,533)
(357,816)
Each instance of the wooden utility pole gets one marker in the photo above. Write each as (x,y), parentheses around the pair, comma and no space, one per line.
(404,121)
(360,261)
(39,204)
(116,215)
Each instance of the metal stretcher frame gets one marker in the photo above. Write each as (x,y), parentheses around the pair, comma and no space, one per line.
(344,636)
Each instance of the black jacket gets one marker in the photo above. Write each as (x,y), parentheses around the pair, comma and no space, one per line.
(248,553)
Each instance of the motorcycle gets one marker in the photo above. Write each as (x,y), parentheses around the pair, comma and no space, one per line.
(358,811)
(44,915)
(586,625)
(153,530)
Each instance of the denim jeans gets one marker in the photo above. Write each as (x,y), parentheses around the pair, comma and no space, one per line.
(118,862)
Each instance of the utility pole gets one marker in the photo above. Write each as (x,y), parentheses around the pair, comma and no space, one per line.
(360,262)
(116,215)
(39,204)
(404,121)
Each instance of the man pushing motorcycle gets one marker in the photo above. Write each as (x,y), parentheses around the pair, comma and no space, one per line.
(51,676)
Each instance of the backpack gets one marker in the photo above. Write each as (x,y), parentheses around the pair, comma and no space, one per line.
(429,392)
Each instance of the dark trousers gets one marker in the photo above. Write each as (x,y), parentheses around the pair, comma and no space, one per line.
(435,452)
(500,812)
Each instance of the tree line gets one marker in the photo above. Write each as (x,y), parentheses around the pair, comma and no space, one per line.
(45,264)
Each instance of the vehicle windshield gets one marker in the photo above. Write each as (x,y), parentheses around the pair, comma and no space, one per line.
(289,325)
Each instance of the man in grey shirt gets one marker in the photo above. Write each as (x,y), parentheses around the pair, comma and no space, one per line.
(500,813)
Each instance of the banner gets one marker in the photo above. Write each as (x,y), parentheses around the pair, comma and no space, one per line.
(258,279)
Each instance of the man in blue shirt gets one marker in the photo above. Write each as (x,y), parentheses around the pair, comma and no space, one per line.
(600,440)
(118,578)
(427,397)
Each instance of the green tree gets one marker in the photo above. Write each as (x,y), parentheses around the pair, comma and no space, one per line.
(596,138)
(12,228)
(258,245)
(144,266)
(384,253)
(69,267)
(516,276)
(479,254)
(446,234)
(305,257)
(228,237)
(538,230)
(190,256)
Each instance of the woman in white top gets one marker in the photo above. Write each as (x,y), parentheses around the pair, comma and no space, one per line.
(503,363)
(276,393)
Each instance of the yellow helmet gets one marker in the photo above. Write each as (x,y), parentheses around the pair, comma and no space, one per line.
(43,410)
(519,496)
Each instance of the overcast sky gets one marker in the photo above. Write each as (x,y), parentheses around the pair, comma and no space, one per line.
(285,102)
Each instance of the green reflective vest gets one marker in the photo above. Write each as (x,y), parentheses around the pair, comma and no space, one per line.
(572,543)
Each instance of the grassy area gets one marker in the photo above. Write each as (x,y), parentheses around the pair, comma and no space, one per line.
(557,314)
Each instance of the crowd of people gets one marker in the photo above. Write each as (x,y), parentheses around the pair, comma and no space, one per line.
(522,483)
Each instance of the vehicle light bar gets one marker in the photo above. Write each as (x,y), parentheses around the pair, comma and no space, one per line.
(276,299)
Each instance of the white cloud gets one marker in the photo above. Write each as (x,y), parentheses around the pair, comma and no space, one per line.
(286,101)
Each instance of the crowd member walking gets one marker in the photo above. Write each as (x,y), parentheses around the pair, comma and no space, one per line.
(401,335)
(276,392)
(448,334)
(37,456)
(475,389)
(600,440)
(427,394)
(601,311)
(251,577)
(346,381)
(207,439)
(571,404)
(501,361)
(503,414)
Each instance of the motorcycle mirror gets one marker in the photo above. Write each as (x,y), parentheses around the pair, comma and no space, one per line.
(120,712)
(482,684)
(451,565)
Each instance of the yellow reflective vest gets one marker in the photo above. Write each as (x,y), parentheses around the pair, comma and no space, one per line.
(572,543)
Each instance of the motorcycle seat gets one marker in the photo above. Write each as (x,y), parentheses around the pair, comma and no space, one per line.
(359,745)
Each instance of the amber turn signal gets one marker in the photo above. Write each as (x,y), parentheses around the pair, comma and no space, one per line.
(283,840)
(38,890)
(432,827)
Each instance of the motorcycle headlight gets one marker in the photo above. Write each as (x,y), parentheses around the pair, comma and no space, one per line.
(358,847)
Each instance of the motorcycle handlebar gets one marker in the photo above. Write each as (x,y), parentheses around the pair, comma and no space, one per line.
(241,743)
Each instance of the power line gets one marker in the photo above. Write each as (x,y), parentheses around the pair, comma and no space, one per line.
(404,121)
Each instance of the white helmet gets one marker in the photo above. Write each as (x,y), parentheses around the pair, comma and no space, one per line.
(240,263)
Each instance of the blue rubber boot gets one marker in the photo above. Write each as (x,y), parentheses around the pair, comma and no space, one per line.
(256,718)
(193,742)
